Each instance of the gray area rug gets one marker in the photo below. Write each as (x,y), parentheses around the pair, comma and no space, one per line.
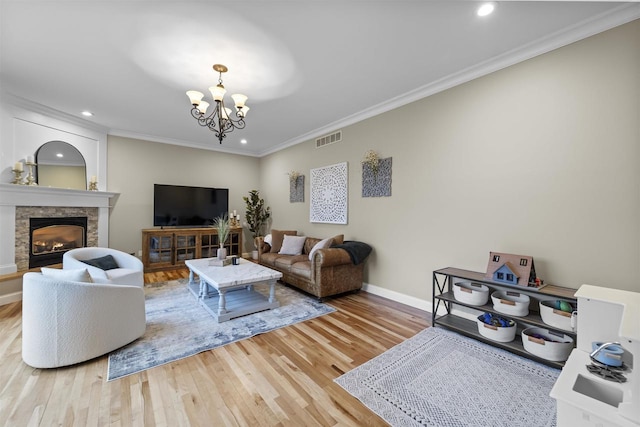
(440,378)
(178,326)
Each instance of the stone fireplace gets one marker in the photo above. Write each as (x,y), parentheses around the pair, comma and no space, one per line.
(19,204)
(50,216)
(51,235)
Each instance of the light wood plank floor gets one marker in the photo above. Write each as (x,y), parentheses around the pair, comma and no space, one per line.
(281,378)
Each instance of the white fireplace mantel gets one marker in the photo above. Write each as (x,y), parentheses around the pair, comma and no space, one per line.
(22,195)
(34,195)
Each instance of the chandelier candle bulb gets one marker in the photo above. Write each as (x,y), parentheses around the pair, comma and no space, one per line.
(239,99)
(195,97)
(217,92)
(202,107)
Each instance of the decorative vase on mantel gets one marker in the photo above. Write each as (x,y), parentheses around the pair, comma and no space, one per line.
(222,253)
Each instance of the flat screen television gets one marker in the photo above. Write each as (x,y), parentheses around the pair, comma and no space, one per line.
(182,206)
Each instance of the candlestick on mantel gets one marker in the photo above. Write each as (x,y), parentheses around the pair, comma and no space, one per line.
(93,183)
(17,173)
(30,179)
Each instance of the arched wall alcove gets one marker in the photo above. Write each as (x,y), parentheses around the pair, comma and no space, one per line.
(61,165)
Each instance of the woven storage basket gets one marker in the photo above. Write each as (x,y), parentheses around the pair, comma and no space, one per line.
(509,302)
(555,351)
(471,293)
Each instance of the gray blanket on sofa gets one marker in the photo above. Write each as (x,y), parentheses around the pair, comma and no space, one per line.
(358,251)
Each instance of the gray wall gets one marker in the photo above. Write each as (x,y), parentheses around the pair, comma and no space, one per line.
(538,159)
(135,165)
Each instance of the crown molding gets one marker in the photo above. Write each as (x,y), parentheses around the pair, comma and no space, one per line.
(595,25)
(43,110)
(179,142)
(623,14)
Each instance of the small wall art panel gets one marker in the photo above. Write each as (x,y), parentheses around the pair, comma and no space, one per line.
(377,183)
(296,189)
(329,194)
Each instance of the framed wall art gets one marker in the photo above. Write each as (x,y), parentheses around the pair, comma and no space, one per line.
(296,188)
(376,181)
(329,194)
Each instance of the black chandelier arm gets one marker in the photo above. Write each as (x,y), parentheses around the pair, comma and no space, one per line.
(215,123)
(219,135)
(196,114)
(237,124)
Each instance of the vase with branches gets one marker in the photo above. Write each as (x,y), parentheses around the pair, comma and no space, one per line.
(372,159)
(256,214)
(293,177)
(222,226)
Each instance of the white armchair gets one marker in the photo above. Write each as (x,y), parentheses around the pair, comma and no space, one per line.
(130,270)
(65,322)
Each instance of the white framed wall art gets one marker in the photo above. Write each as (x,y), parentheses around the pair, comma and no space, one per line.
(329,194)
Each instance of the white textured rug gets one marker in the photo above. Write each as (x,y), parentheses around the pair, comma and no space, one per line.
(440,378)
(178,326)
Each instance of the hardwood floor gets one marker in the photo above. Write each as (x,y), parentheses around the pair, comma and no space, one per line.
(281,378)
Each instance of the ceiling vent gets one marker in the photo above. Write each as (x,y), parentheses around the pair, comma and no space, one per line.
(329,139)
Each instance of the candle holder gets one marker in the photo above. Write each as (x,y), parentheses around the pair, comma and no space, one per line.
(93,186)
(233,222)
(17,176)
(30,179)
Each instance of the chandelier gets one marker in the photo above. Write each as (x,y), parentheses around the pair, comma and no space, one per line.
(220,120)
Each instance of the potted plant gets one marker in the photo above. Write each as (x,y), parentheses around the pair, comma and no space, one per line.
(256,215)
(221,224)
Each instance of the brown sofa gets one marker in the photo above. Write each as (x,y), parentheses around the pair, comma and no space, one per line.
(331,271)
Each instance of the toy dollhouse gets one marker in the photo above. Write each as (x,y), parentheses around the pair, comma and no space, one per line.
(512,269)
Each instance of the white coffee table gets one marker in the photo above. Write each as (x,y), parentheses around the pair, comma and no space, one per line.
(234,287)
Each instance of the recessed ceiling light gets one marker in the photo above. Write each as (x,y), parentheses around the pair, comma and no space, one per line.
(87,113)
(243,141)
(486,9)
(59,155)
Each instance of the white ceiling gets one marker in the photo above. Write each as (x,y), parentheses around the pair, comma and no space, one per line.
(308,67)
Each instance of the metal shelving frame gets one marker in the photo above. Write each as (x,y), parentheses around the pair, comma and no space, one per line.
(442,292)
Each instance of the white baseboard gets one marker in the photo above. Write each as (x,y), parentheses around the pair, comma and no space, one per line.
(398,297)
(417,302)
(9,298)
(8,269)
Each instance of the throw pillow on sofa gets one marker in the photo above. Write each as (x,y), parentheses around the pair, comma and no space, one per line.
(72,275)
(338,239)
(277,237)
(322,244)
(292,245)
(106,262)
